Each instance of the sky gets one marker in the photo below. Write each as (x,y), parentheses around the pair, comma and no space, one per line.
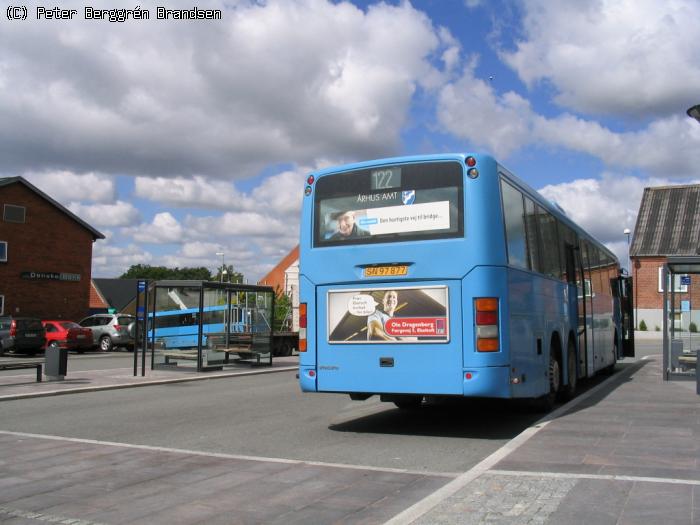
(181,139)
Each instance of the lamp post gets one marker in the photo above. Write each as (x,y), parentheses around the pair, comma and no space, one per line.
(223,266)
(694,112)
(627,232)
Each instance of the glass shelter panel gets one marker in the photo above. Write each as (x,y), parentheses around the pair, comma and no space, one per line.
(207,325)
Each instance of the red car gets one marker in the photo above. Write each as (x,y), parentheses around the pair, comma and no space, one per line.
(67,334)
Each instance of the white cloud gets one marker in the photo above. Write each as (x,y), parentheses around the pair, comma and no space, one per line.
(241,224)
(275,81)
(281,194)
(112,261)
(624,57)
(164,229)
(469,108)
(118,214)
(197,192)
(65,186)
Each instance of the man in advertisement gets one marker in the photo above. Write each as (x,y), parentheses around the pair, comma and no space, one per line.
(347,228)
(377,320)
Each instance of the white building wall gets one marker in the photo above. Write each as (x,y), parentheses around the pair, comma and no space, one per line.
(291,288)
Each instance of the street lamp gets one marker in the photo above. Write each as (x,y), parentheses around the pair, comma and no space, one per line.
(223,266)
(627,232)
(694,112)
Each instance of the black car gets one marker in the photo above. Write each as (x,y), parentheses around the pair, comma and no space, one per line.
(21,334)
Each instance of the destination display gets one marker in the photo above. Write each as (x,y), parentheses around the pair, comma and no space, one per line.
(389,204)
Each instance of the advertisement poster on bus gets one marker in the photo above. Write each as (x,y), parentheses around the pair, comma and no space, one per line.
(389,315)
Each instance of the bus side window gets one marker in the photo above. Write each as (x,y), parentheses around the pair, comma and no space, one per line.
(514,219)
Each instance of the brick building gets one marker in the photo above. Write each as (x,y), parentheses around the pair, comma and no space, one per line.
(45,254)
(668,225)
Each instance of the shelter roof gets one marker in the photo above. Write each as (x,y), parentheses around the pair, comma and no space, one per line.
(668,223)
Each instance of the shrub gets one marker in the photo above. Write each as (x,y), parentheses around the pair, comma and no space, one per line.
(693,327)
(642,326)
(657,328)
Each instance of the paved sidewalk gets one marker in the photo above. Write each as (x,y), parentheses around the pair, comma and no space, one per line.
(19,386)
(82,482)
(629,453)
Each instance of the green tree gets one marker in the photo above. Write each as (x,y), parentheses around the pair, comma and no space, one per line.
(231,275)
(283,311)
(145,271)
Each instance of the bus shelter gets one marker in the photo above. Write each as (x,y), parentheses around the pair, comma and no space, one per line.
(204,325)
(681,341)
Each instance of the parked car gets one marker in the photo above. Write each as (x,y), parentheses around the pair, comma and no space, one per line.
(21,334)
(67,334)
(110,330)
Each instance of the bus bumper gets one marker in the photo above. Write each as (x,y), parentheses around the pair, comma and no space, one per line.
(307,379)
(492,381)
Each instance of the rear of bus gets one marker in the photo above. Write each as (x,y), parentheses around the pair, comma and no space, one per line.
(403,280)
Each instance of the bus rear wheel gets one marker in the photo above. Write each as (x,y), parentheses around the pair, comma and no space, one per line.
(569,391)
(547,401)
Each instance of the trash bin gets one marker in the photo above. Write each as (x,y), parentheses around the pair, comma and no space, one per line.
(56,363)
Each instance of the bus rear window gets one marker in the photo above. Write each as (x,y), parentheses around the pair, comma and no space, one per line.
(390,203)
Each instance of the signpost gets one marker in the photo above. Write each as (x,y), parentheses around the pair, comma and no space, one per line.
(140,333)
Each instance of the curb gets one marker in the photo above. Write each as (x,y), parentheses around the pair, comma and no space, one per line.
(422,507)
(154,382)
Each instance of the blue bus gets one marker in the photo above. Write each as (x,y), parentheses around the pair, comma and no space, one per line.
(180,328)
(446,275)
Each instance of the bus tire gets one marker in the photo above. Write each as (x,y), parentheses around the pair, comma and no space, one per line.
(546,402)
(610,369)
(569,390)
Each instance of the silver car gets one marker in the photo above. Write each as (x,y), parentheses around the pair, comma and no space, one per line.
(111,330)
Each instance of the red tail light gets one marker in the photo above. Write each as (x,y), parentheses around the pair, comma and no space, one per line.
(13,328)
(486,324)
(302,327)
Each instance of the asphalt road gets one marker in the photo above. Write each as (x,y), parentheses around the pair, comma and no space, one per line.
(267,416)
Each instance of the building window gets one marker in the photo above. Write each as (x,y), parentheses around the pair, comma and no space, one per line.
(2,305)
(12,213)
(677,286)
(3,251)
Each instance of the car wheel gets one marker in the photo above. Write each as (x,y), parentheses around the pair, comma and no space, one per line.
(105,343)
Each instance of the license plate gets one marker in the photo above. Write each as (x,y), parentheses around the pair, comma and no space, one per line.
(81,336)
(384,271)
(29,334)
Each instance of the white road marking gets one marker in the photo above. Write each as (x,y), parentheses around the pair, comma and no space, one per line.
(229,456)
(607,477)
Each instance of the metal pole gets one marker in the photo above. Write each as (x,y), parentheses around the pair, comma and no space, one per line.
(200,319)
(145,332)
(664,278)
(137,331)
